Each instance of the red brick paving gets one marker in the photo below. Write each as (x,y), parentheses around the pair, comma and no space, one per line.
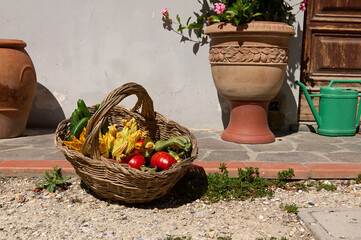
(267,169)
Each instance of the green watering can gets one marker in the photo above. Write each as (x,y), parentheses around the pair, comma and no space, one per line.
(337,109)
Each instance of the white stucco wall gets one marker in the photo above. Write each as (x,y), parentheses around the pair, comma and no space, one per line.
(86,48)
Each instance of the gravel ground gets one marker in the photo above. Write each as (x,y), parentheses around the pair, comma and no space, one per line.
(78,214)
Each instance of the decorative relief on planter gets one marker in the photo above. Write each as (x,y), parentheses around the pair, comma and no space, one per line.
(248,55)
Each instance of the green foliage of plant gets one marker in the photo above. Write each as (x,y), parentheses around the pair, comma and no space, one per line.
(239,11)
(224,238)
(311,184)
(292,208)
(248,184)
(235,11)
(301,186)
(52,182)
(358,179)
(178,238)
(272,238)
(286,174)
(328,187)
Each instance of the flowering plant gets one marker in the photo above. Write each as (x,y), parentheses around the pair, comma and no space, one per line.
(232,11)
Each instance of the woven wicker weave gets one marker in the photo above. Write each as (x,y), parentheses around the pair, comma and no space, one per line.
(116,181)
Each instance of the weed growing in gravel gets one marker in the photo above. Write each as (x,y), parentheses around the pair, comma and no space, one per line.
(326,186)
(224,238)
(358,179)
(178,238)
(247,185)
(52,182)
(292,208)
(311,184)
(300,186)
(272,238)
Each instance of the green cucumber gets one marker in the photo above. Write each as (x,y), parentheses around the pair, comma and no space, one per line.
(83,108)
(80,113)
(105,128)
(96,107)
(79,127)
(75,118)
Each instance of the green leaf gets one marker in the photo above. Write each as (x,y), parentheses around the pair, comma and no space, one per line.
(47,176)
(51,188)
(181,28)
(237,21)
(40,184)
(230,13)
(257,14)
(192,26)
(215,19)
(188,20)
(178,19)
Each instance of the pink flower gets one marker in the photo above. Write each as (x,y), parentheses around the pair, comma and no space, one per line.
(302,7)
(304,1)
(165,12)
(220,7)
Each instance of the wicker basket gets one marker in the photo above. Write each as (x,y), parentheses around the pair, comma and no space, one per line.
(116,181)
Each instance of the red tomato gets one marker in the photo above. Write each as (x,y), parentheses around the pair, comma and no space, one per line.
(135,161)
(162,160)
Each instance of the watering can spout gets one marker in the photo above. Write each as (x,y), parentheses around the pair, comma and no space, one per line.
(310,103)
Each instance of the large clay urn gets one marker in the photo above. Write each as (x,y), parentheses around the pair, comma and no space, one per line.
(17,87)
(248,65)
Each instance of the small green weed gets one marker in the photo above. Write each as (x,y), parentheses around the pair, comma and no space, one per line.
(311,184)
(178,238)
(285,175)
(301,186)
(52,182)
(327,187)
(291,208)
(358,179)
(247,185)
(224,238)
(272,238)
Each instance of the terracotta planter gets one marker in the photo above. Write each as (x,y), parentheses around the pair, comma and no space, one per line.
(248,65)
(17,87)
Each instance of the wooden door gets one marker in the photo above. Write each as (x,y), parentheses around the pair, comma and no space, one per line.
(332,47)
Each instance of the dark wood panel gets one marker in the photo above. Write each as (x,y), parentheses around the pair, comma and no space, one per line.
(337,9)
(336,54)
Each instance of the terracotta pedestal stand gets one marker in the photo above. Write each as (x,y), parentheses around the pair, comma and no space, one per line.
(248,123)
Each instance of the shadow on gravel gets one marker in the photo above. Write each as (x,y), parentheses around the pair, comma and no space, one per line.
(191,187)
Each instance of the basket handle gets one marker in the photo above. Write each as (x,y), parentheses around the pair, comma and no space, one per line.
(91,144)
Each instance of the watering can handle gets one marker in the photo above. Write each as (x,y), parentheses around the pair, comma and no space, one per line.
(343,81)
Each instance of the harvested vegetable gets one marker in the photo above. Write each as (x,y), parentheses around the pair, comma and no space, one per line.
(83,108)
(75,143)
(126,140)
(135,161)
(162,160)
(77,129)
(181,142)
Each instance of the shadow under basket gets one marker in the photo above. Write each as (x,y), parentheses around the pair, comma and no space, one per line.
(118,181)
